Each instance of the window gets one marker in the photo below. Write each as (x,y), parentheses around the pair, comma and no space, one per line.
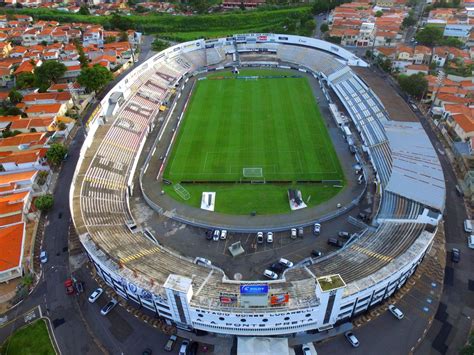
(264,320)
(286,318)
(200,315)
(243,320)
(221,318)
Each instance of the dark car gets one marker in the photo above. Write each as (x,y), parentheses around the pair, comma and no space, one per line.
(277,267)
(316,253)
(209,235)
(194,348)
(345,235)
(335,242)
(363,216)
(455,255)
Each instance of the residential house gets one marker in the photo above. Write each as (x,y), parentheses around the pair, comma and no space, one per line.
(46,110)
(24,160)
(417,68)
(6,78)
(12,243)
(23,141)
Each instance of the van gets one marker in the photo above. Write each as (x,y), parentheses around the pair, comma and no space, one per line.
(335,242)
(468,226)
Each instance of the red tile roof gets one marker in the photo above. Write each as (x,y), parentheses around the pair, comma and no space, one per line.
(11,242)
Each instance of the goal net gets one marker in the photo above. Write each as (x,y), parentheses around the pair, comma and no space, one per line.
(252,172)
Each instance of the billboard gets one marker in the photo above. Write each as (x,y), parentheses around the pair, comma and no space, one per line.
(279,299)
(253,289)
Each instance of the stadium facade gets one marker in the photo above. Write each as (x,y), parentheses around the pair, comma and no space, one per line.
(314,295)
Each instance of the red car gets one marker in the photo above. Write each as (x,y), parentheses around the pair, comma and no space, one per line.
(69,287)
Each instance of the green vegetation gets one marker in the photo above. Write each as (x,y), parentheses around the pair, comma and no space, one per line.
(95,78)
(49,72)
(15,97)
(158,45)
(56,153)
(296,20)
(414,85)
(44,203)
(433,36)
(31,339)
(268,123)
(469,348)
(320,6)
(332,282)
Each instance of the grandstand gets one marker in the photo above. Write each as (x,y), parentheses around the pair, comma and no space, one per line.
(372,266)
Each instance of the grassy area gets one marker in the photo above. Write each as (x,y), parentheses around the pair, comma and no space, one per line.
(271,124)
(263,199)
(30,340)
(296,20)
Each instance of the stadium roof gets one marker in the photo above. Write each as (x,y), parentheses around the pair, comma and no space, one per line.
(416,173)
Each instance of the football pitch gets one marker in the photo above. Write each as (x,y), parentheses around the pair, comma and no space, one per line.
(263,126)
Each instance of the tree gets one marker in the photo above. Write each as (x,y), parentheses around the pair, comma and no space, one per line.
(200,6)
(123,36)
(56,153)
(414,85)
(120,22)
(82,56)
(44,203)
(84,10)
(379,13)
(324,27)
(15,97)
(408,21)
(25,80)
(42,176)
(429,35)
(158,45)
(49,73)
(110,39)
(61,126)
(95,78)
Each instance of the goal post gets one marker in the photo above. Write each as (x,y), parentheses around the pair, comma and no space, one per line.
(252,172)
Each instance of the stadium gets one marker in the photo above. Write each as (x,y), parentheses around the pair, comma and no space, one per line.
(119,164)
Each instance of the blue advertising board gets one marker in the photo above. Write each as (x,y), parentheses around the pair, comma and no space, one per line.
(253,289)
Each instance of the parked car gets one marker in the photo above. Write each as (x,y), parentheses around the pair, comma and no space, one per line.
(270,274)
(183,350)
(317,229)
(108,307)
(193,349)
(69,285)
(335,242)
(170,343)
(260,237)
(43,257)
(300,232)
(216,235)
(270,237)
(285,262)
(316,253)
(470,241)
(351,338)
(306,350)
(344,235)
(95,295)
(363,216)
(396,311)
(202,261)
(293,233)
(79,286)
(277,267)
(223,234)
(209,235)
(455,255)
(147,351)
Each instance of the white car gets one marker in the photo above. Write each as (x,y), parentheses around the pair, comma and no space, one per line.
(43,257)
(269,237)
(286,263)
(223,234)
(108,307)
(270,274)
(260,237)
(293,233)
(317,228)
(351,338)
(95,295)
(396,312)
(470,241)
(216,235)
(306,350)
(202,261)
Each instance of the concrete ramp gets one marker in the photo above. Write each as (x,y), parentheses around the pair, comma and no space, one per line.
(262,346)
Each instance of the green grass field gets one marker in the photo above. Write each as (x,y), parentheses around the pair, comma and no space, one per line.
(271,124)
(32,339)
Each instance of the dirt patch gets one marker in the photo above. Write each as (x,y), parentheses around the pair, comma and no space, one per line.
(395,105)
